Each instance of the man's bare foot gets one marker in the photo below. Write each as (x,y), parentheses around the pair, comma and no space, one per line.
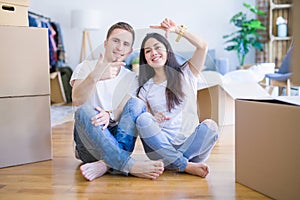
(147,169)
(93,170)
(198,169)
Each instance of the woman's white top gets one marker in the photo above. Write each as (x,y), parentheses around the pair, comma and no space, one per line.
(183,117)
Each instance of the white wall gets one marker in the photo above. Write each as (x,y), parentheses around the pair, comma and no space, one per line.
(209,19)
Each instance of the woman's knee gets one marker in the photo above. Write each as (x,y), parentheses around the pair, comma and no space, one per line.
(211,124)
(144,120)
(212,127)
(147,125)
(208,129)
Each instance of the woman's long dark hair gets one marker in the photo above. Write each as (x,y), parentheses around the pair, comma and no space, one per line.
(174,93)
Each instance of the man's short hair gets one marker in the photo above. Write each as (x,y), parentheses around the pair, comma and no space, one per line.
(121,25)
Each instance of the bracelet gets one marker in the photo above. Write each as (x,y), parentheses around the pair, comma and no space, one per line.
(111,114)
(112,121)
(181,32)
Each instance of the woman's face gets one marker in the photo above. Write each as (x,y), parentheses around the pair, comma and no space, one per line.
(155,53)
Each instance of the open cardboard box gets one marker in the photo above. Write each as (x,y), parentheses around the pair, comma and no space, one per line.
(57,92)
(267,147)
(216,95)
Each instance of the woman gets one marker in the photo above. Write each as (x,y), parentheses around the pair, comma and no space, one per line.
(170,130)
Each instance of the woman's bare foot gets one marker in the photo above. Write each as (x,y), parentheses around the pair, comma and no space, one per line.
(198,169)
(93,170)
(147,169)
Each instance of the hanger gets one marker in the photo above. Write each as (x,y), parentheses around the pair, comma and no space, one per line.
(39,15)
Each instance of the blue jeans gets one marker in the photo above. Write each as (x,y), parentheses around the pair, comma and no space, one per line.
(196,147)
(115,144)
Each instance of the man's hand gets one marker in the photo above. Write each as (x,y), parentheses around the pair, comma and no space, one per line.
(102,118)
(105,70)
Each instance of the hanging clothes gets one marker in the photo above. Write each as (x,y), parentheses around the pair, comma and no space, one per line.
(60,51)
(56,46)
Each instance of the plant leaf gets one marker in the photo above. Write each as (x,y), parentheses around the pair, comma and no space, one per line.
(235,17)
(246,36)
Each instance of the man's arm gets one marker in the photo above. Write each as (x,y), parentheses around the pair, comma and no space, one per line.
(83,89)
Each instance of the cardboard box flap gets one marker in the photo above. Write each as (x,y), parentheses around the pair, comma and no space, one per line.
(203,85)
(294,100)
(284,100)
(209,79)
(246,91)
(241,87)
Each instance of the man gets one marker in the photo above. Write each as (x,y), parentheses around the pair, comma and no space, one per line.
(104,130)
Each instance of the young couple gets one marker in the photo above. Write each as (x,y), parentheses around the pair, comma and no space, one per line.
(160,107)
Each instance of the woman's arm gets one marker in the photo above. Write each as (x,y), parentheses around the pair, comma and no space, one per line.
(196,62)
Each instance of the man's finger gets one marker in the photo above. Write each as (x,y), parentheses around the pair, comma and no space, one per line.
(117,64)
(105,126)
(98,108)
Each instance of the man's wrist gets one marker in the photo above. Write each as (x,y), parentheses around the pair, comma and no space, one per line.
(111,115)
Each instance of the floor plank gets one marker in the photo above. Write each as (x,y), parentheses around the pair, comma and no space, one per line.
(60,178)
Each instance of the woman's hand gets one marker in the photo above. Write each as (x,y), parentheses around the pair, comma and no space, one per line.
(167,25)
(160,117)
(102,118)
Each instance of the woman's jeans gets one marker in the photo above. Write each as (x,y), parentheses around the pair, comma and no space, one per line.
(115,144)
(196,148)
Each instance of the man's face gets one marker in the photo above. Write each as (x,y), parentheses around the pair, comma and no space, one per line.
(118,46)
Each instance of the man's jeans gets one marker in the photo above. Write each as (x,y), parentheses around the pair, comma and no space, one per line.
(115,144)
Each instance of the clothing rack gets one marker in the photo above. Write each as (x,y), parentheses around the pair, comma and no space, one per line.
(39,15)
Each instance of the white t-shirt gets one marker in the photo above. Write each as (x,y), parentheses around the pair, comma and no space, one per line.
(183,117)
(109,93)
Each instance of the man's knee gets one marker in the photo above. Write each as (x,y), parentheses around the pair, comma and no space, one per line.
(137,102)
(136,105)
(85,111)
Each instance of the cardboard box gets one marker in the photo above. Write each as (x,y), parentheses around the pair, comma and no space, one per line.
(14,12)
(24,61)
(267,151)
(25,123)
(57,92)
(215,97)
(25,130)
(296,51)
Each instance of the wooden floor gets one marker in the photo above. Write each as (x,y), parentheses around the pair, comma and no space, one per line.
(60,178)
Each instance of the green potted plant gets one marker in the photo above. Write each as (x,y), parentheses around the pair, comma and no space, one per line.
(135,64)
(246,35)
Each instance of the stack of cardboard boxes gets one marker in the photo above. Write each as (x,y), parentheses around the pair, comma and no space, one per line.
(25,128)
